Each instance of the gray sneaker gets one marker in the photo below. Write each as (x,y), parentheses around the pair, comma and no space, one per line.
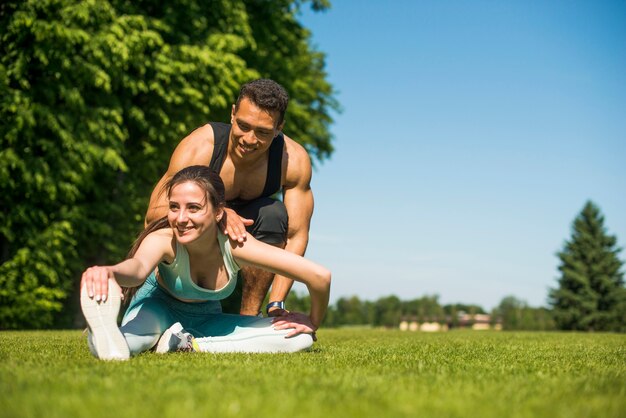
(175,338)
(105,339)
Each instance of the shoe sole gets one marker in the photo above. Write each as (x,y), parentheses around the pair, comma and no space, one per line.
(102,320)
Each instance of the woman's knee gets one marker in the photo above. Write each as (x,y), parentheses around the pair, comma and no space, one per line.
(140,343)
(143,325)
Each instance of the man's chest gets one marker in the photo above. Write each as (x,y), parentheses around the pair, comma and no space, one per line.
(244,183)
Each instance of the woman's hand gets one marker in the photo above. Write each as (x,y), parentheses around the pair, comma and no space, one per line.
(96,280)
(298,322)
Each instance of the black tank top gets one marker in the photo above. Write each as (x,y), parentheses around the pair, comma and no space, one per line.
(221,132)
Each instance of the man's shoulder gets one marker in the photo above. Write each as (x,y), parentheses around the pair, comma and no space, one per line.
(298,161)
(205,135)
(202,133)
(195,147)
(295,150)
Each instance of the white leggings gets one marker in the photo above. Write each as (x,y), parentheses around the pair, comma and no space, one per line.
(152,311)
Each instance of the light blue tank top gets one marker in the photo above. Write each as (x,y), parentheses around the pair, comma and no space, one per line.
(176,277)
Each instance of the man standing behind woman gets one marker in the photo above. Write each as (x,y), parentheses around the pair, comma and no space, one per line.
(255,160)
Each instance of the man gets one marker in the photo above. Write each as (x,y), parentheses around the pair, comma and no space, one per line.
(255,160)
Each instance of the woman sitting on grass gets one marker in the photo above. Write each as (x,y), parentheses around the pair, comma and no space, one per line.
(177,307)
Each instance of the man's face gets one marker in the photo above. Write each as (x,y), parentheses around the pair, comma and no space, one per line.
(253,129)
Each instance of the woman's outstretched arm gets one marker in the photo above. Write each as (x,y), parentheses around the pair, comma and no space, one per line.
(156,247)
(274,259)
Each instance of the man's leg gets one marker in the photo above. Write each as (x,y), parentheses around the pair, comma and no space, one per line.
(256,284)
(270,226)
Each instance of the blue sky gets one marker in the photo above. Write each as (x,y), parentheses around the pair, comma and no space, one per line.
(472,134)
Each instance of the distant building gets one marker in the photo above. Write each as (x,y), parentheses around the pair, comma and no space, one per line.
(433,327)
(476,322)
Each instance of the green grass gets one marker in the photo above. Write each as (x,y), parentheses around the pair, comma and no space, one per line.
(349,373)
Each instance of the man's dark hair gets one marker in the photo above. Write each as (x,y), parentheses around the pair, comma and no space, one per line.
(266,94)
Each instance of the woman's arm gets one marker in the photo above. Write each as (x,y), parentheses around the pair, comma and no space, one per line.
(274,259)
(156,247)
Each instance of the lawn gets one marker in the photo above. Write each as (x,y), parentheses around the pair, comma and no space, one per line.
(349,373)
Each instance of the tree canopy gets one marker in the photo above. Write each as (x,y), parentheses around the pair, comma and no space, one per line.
(95,95)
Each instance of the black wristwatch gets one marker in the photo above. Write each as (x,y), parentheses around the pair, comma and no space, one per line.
(278,304)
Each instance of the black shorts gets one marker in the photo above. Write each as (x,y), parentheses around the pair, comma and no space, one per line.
(270,219)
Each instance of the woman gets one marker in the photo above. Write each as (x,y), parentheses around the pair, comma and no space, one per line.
(177,306)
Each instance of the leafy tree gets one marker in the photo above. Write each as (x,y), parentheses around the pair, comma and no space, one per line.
(510,311)
(517,315)
(424,309)
(351,311)
(388,311)
(95,95)
(590,295)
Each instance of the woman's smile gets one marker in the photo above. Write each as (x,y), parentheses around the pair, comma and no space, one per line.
(190,212)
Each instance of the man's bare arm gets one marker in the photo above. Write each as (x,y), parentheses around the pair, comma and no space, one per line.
(298,200)
(195,149)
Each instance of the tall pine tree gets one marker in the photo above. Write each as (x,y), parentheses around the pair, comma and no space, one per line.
(591,295)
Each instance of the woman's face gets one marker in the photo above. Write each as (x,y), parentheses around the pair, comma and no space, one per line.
(190,214)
